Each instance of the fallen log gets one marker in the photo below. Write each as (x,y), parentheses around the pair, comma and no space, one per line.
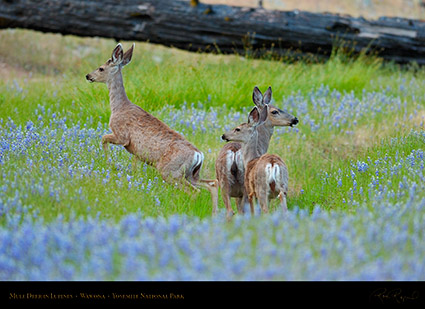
(195,26)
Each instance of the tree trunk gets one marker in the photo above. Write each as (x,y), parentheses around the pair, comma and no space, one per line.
(208,28)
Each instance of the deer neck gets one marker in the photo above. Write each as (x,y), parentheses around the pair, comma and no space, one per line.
(258,143)
(265,132)
(117,96)
(251,149)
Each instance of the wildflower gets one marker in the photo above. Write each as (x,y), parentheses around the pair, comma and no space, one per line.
(29,125)
(362,166)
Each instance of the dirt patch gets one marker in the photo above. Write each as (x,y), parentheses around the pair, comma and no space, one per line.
(418,119)
(352,145)
(9,72)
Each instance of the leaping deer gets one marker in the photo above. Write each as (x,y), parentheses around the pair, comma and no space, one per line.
(145,136)
(230,171)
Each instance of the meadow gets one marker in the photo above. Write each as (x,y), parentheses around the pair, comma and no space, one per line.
(356,166)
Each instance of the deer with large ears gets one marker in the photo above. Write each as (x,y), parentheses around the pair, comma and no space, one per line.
(229,165)
(266,175)
(145,136)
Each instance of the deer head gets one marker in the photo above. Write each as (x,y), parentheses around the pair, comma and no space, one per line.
(108,70)
(246,131)
(275,116)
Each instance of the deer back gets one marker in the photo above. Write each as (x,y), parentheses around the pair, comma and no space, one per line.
(150,139)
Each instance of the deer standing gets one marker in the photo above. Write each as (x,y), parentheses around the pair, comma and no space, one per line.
(229,165)
(266,175)
(145,136)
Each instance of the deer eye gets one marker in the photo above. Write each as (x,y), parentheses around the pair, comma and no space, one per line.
(275,112)
(237,129)
(101,69)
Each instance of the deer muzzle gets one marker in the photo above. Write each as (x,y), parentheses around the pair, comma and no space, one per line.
(89,78)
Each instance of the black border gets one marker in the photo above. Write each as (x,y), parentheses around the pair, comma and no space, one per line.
(15,293)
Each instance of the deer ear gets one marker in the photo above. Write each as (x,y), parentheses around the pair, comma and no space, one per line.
(263,114)
(117,54)
(127,55)
(267,96)
(254,117)
(257,97)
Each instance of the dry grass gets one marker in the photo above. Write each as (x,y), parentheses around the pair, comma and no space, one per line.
(371,9)
(9,72)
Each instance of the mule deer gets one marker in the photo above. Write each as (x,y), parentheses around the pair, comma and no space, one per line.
(229,165)
(145,136)
(266,175)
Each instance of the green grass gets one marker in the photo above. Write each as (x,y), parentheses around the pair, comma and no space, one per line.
(49,70)
(161,76)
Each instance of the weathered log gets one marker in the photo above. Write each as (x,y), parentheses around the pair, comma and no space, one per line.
(227,29)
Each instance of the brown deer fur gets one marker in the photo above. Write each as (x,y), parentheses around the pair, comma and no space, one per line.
(229,163)
(147,137)
(230,173)
(266,175)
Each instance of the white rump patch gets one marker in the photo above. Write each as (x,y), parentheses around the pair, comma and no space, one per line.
(198,158)
(273,173)
(236,157)
(230,157)
(239,160)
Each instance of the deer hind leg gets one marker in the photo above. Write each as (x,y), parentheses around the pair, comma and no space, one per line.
(188,187)
(226,199)
(251,202)
(264,206)
(212,186)
(282,198)
(177,178)
(264,202)
(185,185)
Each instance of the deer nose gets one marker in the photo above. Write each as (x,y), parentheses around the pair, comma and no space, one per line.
(223,137)
(294,121)
(89,78)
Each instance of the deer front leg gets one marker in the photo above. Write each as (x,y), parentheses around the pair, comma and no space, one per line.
(134,163)
(113,139)
(241,203)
